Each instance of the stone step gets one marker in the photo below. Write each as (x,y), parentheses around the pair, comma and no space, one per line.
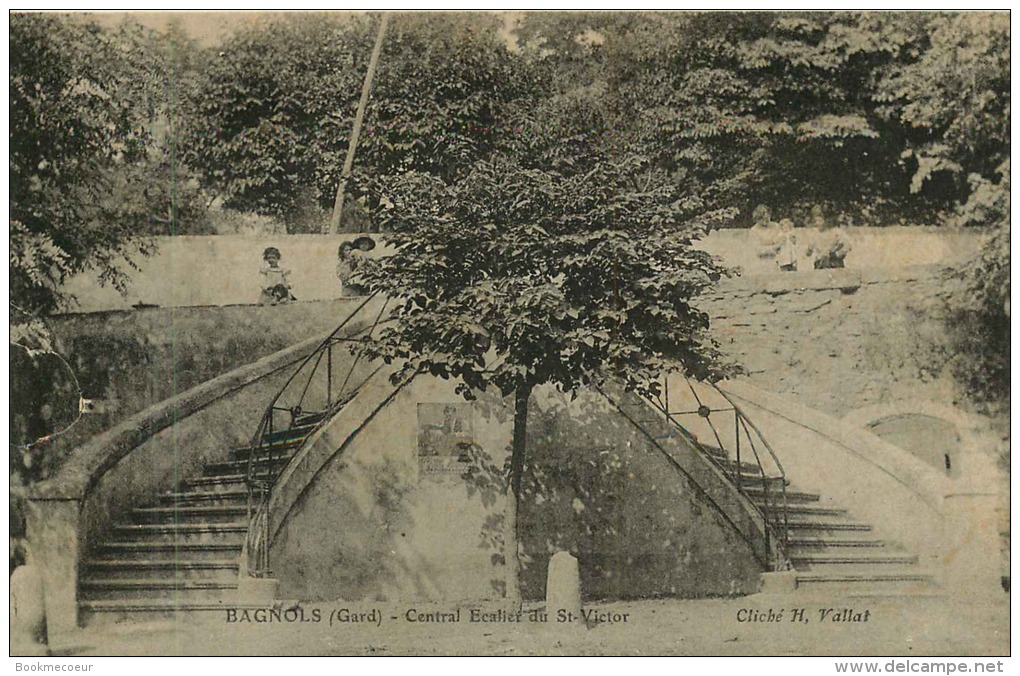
(858,560)
(313,417)
(294,433)
(224,497)
(96,589)
(730,465)
(234,467)
(801,509)
(109,611)
(171,551)
(715,452)
(120,569)
(823,517)
(898,582)
(749,481)
(792,497)
(820,528)
(245,452)
(198,533)
(190,514)
(808,542)
(217,483)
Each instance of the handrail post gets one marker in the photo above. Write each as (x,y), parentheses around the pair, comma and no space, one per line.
(736,437)
(329,375)
(665,388)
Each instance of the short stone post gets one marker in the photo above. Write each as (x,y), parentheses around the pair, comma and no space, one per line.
(563,591)
(53,534)
(28,622)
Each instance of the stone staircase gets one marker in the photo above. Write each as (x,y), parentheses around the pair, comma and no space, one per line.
(182,553)
(830,551)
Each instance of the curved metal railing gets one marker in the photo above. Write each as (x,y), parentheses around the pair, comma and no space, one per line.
(760,477)
(312,395)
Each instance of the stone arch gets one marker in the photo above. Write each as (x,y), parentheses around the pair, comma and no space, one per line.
(921,420)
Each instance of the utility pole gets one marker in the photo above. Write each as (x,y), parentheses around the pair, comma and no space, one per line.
(345,174)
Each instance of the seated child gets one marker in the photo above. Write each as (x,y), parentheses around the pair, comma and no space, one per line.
(829,248)
(275,280)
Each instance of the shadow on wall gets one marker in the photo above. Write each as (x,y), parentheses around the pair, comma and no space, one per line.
(404,522)
(401,522)
(597,488)
(127,361)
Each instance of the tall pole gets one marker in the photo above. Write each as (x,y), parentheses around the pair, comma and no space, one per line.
(338,204)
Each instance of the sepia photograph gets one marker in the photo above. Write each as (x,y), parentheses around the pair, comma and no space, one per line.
(510,333)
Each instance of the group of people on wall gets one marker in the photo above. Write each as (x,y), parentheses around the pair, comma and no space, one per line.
(276,286)
(826,249)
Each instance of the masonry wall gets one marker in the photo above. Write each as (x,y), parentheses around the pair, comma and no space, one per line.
(374,525)
(129,360)
(613,500)
(224,269)
(839,339)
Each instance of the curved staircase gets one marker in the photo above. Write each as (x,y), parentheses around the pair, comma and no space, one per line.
(182,553)
(828,549)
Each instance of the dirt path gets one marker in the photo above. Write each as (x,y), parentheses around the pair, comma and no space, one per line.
(908,626)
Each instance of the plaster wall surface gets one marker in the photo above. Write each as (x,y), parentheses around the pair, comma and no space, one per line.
(224,269)
(374,525)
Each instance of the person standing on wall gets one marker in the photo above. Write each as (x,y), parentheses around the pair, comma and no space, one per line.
(786,251)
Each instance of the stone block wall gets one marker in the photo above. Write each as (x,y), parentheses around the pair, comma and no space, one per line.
(840,339)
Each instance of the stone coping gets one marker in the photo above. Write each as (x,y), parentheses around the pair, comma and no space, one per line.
(913,474)
(844,279)
(87,465)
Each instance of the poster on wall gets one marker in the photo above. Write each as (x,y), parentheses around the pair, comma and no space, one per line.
(511,333)
(445,436)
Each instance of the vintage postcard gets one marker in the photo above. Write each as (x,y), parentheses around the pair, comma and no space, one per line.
(510,333)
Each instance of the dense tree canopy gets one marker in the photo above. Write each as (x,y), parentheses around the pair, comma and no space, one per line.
(543,181)
(272,122)
(91,158)
(877,117)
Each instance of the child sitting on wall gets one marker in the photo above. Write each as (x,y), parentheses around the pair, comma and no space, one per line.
(275,280)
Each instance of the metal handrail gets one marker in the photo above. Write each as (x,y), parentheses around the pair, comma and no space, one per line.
(262,450)
(774,518)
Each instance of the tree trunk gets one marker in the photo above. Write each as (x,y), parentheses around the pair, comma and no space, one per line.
(513,496)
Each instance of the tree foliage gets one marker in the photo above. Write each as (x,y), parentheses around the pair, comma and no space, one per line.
(88,178)
(564,278)
(546,263)
(274,117)
(980,310)
(881,116)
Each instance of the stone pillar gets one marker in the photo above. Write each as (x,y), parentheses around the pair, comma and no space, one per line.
(53,540)
(970,552)
(563,589)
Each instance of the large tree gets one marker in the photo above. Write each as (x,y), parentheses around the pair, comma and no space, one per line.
(274,116)
(882,116)
(548,263)
(88,177)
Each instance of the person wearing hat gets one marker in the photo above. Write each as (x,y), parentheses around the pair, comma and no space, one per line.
(275,280)
(349,259)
